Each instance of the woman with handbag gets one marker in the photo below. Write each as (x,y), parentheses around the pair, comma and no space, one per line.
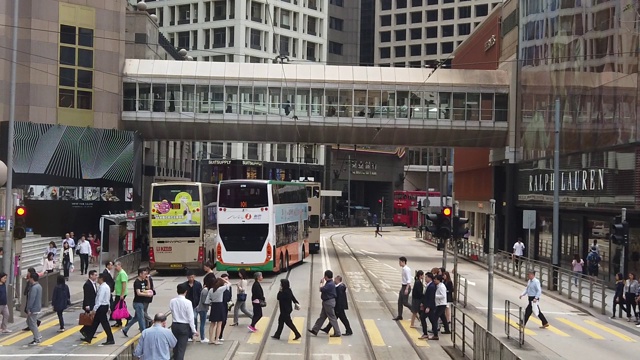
(257,300)
(285,299)
(241,301)
(218,310)
(60,300)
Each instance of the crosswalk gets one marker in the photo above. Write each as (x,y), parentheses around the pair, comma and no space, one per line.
(51,337)
(564,327)
(371,326)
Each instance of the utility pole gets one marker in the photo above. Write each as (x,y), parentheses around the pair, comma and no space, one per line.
(555,249)
(624,244)
(9,205)
(349,192)
(427,186)
(492,239)
(454,240)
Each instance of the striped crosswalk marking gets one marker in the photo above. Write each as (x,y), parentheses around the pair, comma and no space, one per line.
(256,337)
(299,323)
(28,334)
(335,340)
(102,336)
(610,331)
(61,336)
(414,334)
(515,324)
(553,329)
(373,332)
(581,328)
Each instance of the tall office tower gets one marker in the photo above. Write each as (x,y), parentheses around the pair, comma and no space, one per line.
(417,33)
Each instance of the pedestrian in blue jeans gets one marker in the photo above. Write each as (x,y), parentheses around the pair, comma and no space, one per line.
(203,307)
(142,295)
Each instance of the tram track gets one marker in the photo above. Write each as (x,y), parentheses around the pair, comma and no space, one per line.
(352,254)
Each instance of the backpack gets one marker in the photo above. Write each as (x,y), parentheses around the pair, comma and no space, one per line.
(593,259)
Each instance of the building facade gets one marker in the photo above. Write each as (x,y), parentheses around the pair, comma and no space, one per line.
(245,30)
(416,33)
(585,57)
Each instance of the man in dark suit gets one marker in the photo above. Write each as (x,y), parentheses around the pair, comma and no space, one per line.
(89,290)
(428,306)
(341,305)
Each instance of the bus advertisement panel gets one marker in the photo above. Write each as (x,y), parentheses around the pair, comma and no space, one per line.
(180,210)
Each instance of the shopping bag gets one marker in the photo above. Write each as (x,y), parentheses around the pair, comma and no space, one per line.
(535,306)
(120,312)
(86,319)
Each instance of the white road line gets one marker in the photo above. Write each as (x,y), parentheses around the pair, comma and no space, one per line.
(244,353)
(376,260)
(354,259)
(370,252)
(389,266)
(285,354)
(374,275)
(546,312)
(369,301)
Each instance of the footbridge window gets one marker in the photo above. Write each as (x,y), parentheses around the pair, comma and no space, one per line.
(304,102)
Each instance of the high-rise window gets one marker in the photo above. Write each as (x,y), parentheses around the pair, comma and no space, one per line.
(385,20)
(464,12)
(416,34)
(336,23)
(401,19)
(416,17)
(75,70)
(464,29)
(335,48)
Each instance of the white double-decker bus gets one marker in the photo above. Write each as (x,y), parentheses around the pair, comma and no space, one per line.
(262,225)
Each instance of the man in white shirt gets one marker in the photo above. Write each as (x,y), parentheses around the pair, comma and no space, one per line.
(100,311)
(84,249)
(518,252)
(403,295)
(183,325)
(441,306)
(69,239)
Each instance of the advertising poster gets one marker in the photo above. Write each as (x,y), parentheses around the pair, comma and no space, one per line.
(180,211)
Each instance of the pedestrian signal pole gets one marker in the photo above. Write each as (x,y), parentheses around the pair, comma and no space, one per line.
(492,234)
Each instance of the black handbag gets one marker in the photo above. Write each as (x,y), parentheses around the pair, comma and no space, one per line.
(263,303)
(242,297)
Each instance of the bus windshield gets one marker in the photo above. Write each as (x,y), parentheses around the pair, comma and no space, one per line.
(175,211)
(243,195)
(243,237)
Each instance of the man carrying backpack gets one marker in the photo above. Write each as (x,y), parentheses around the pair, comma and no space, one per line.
(593,262)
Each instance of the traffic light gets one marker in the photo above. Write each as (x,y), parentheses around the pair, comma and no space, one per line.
(458,227)
(619,231)
(20,223)
(440,224)
(379,201)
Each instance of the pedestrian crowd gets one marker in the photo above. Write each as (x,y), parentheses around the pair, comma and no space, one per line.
(431,295)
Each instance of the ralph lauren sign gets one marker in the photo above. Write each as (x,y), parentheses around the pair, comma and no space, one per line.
(576,180)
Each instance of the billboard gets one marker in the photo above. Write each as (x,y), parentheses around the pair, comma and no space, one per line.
(178,211)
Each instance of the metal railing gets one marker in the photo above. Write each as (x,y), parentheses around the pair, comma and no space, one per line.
(460,292)
(513,311)
(585,289)
(474,341)
(126,353)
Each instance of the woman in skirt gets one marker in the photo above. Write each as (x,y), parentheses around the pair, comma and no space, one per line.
(417,293)
(218,310)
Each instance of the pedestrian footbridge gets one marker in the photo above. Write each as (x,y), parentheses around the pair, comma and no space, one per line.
(182,100)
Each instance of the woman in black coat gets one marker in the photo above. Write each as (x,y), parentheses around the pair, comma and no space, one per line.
(285,301)
(60,300)
(257,298)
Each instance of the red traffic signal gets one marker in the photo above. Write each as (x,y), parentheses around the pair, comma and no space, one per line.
(380,201)
(21,211)
(446,211)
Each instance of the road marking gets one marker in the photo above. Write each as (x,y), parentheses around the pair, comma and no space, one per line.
(610,331)
(373,332)
(335,340)
(471,283)
(284,354)
(414,334)
(61,336)
(515,324)
(546,312)
(389,266)
(581,328)
(373,274)
(256,337)
(370,252)
(299,323)
(28,334)
(553,329)
(132,340)
(103,335)
(376,260)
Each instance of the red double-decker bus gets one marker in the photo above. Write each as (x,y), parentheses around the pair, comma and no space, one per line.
(403,202)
